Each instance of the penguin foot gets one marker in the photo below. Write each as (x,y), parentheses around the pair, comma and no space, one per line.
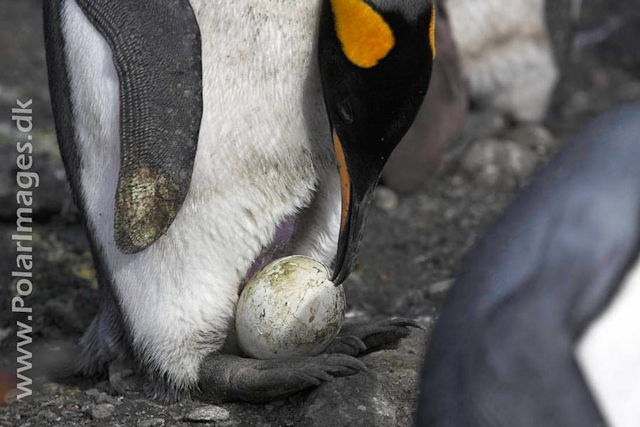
(123,378)
(228,378)
(362,338)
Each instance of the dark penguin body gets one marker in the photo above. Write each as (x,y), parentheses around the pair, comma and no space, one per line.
(517,339)
(204,138)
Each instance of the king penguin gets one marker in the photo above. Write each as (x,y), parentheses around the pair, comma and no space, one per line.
(542,327)
(203,138)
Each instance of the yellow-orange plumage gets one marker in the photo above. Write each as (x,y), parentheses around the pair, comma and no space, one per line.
(365,36)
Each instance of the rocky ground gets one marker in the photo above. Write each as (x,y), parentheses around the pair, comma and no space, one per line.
(412,249)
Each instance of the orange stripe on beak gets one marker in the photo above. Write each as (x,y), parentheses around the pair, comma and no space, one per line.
(345,180)
(432,31)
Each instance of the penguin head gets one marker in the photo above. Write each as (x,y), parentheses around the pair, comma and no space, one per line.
(375,61)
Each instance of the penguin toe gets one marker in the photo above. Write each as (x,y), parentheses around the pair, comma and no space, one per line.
(378,335)
(348,345)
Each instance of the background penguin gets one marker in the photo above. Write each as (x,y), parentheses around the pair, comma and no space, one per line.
(542,326)
(199,139)
(506,54)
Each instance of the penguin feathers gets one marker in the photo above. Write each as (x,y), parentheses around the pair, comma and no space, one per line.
(156,53)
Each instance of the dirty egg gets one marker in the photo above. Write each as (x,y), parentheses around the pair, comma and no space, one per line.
(290,308)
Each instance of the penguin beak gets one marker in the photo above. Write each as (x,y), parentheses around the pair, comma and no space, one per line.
(358,180)
(375,74)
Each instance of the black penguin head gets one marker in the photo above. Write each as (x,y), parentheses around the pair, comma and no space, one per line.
(375,62)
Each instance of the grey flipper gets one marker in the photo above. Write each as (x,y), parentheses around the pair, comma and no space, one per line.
(502,353)
(157,54)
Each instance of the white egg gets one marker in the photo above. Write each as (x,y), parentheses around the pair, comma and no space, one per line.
(289,308)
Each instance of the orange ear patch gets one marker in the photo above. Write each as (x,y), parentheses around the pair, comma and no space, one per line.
(432,31)
(365,36)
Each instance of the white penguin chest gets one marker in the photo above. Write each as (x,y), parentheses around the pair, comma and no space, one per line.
(264,121)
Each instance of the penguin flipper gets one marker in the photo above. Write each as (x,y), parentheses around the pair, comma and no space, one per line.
(157,55)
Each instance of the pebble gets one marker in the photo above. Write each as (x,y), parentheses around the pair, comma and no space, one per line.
(498,163)
(208,413)
(102,397)
(102,411)
(49,416)
(440,288)
(107,398)
(92,392)
(4,333)
(385,199)
(152,422)
(535,137)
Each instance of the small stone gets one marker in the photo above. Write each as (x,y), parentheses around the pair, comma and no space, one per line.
(152,422)
(440,288)
(72,414)
(498,163)
(385,199)
(535,137)
(384,408)
(208,413)
(518,161)
(4,333)
(49,416)
(362,408)
(92,392)
(102,411)
(107,398)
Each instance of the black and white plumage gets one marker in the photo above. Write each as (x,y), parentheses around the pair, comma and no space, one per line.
(542,326)
(197,141)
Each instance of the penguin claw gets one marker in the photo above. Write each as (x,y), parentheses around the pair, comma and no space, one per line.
(229,378)
(375,335)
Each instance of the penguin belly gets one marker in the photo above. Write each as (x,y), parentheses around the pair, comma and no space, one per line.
(262,158)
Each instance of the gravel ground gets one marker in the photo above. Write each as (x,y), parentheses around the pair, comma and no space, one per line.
(412,249)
